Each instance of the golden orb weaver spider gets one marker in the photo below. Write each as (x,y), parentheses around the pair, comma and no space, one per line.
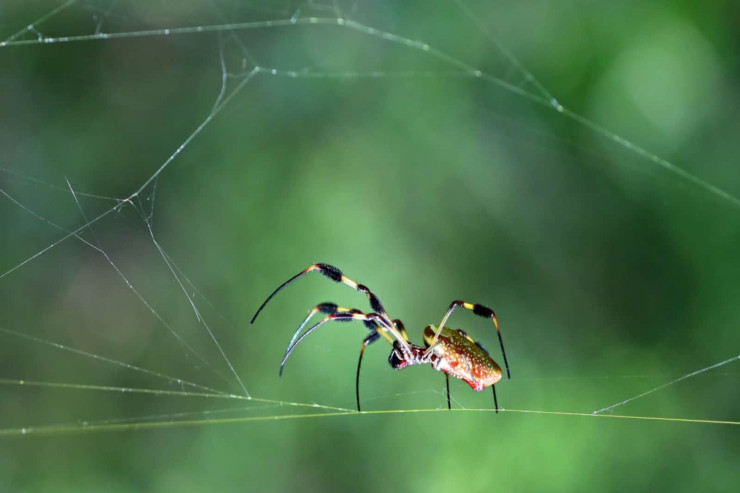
(452,352)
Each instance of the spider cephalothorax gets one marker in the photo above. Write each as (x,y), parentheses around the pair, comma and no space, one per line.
(452,352)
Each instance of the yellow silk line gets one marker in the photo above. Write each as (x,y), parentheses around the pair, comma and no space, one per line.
(62,429)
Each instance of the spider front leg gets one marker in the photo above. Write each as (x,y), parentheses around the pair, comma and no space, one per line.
(327,308)
(336,275)
(369,318)
(365,343)
(369,340)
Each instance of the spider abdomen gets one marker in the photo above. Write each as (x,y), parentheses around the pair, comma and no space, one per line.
(459,356)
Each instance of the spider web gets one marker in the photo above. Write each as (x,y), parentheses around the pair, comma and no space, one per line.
(127,296)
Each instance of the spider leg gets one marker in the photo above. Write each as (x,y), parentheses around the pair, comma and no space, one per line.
(369,340)
(449,406)
(365,343)
(495,402)
(336,275)
(478,310)
(329,308)
(401,329)
(340,317)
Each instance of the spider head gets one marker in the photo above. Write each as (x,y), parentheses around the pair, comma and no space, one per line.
(400,359)
(396,358)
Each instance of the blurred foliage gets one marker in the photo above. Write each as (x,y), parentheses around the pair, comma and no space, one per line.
(611,274)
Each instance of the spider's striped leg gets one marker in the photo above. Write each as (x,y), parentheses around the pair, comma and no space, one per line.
(340,317)
(327,308)
(365,343)
(327,270)
(336,275)
(478,310)
(401,329)
(369,340)
(375,304)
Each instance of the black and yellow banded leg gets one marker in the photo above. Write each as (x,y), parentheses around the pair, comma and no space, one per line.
(479,310)
(336,275)
(365,343)
(401,329)
(328,308)
(339,317)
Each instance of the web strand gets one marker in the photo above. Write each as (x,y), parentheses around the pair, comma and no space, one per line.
(33,25)
(76,234)
(110,361)
(672,382)
(459,69)
(166,393)
(546,101)
(131,426)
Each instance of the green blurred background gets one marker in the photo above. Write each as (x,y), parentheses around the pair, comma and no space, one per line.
(611,275)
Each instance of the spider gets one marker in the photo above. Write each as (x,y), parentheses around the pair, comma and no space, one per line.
(452,352)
